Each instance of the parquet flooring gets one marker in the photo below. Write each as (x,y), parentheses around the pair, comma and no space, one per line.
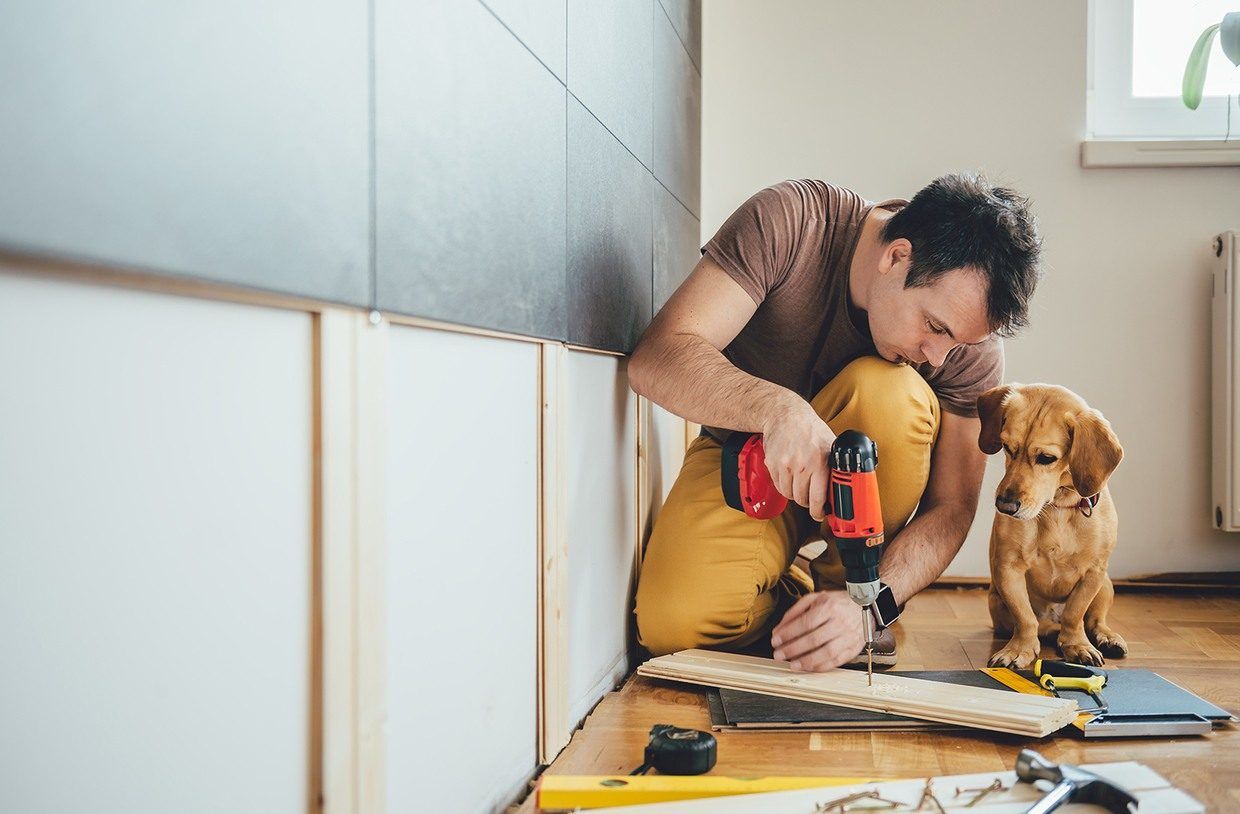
(1191,639)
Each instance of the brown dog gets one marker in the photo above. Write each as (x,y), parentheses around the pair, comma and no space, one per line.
(1056,526)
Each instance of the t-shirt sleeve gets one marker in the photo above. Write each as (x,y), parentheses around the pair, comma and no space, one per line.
(968,371)
(756,246)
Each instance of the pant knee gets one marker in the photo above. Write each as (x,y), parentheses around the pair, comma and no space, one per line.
(895,406)
(666,624)
(885,394)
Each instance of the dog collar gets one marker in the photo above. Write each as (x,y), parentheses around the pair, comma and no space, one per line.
(1085,505)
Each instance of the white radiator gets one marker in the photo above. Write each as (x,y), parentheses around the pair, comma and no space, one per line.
(1225,379)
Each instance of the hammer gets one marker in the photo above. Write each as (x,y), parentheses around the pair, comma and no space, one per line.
(1072,785)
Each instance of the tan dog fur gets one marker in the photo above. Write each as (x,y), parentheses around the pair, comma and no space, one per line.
(1048,558)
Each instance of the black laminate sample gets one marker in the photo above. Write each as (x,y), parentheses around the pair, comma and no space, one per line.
(470,171)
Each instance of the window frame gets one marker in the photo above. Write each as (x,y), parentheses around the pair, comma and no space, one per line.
(1113,113)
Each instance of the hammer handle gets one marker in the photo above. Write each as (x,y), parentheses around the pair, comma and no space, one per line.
(1053,799)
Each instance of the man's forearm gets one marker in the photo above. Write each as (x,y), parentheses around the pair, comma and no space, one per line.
(685,375)
(923,549)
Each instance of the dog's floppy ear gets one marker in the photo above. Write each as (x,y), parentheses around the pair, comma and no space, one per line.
(990,411)
(1094,454)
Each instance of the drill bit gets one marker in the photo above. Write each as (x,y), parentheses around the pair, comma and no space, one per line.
(869,645)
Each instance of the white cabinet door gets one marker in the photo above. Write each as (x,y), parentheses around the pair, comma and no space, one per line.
(155,552)
(462,569)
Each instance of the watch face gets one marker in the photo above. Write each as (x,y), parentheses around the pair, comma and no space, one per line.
(885,604)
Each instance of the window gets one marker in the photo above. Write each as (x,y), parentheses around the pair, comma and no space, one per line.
(1137,52)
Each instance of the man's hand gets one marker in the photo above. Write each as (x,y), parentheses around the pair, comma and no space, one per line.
(797,442)
(821,631)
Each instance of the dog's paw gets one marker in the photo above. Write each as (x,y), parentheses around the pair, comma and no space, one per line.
(1110,643)
(1017,655)
(1080,653)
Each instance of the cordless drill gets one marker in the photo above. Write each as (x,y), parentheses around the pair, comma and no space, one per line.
(854,512)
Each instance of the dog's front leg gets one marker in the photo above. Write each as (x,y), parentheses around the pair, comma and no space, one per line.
(1073,643)
(1023,647)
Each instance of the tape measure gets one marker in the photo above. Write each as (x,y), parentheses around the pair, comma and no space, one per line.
(673,750)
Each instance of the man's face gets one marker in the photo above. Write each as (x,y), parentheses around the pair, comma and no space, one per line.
(924,323)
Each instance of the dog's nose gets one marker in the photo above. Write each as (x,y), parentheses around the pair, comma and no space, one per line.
(1007,504)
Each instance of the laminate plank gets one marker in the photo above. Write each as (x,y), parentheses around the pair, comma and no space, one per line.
(970,706)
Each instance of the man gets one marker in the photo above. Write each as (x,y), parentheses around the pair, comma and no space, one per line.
(813,311)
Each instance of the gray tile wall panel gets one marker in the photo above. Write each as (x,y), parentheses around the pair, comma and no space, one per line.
(471,171)
(676,246)
(686,16)
(215,140)
(610,273)
(540,24)
(610,64)
(677,115)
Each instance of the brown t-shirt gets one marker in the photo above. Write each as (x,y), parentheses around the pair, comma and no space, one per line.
(790,247)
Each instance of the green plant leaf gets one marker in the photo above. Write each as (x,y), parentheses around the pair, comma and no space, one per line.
(1229,36)
(1195,70)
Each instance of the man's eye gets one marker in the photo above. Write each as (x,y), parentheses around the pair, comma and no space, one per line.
(934,329)
(1045,459)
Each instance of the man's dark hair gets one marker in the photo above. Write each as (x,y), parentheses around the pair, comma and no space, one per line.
(960,220)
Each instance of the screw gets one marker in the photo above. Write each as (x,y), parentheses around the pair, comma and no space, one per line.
(928,794)
(996,785)
(840,804)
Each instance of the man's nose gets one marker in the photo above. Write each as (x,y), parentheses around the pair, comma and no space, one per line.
(1007,503)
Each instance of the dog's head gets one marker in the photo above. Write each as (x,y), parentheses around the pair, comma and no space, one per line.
(1055,444)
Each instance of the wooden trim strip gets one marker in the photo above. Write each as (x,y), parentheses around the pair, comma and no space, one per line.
(645,500)
(599,351)
(451,327)
(351,617)
(981,708)
(370,434)
(80,271)
(554,728)
(314,712)
(336,338)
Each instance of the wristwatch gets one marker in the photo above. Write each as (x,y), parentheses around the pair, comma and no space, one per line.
(885,609)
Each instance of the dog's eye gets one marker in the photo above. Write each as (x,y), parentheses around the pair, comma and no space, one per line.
(1045,459)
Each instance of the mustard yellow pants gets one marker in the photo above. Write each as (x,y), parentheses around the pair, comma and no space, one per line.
(714,577)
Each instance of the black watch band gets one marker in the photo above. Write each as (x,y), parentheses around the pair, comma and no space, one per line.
(885,609)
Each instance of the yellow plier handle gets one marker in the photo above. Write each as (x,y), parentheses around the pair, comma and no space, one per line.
(1062,675)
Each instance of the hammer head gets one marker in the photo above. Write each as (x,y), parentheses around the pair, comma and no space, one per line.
(1087,787)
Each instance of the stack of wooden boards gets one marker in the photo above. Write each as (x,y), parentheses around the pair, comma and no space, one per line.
(998,710)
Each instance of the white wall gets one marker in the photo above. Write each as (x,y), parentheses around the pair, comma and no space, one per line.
(155,552)
(882,97)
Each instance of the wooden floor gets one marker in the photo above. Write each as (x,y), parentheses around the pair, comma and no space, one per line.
(1191,639)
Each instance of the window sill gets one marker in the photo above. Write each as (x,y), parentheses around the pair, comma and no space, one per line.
(1163,153)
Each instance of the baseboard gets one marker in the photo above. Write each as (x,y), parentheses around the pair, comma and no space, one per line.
(1207,582)
(1222,581)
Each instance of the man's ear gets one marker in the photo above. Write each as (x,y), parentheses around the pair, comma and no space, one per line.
(896,252)
(990,411)
(1094,454)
